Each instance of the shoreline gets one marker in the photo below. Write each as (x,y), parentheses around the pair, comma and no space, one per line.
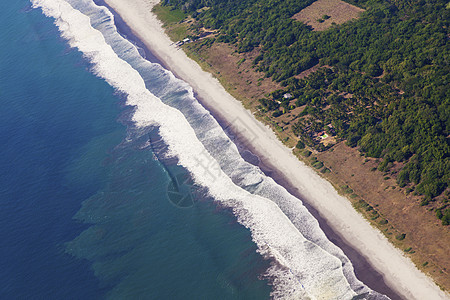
(370,247)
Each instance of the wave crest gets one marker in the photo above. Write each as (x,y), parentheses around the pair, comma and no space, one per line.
(306,264)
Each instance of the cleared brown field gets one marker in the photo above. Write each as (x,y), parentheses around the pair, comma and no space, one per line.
(337,11)
(424,233)
(235,71)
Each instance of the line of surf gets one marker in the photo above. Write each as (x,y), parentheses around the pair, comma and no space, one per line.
(397,270)
(178,94)
(308,264)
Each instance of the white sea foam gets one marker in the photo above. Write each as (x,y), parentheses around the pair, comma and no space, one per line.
(307,264)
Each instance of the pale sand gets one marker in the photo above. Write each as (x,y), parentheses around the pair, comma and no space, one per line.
(398,271)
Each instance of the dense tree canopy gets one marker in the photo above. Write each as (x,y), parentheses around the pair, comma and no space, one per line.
(393,62)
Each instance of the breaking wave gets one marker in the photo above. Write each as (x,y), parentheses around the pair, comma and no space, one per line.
(306,265)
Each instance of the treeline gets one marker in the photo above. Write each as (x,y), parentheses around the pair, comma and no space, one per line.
(393,61)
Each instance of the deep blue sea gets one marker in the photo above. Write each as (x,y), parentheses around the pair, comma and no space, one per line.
(85,215)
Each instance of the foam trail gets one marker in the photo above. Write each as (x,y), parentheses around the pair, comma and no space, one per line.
(308,265)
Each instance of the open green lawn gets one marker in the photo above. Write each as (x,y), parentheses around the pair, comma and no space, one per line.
(168,15)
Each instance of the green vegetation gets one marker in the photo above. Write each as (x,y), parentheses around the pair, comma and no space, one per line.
(178,33)
(300,145)
(346,189)
(444,215)
(383,222)
(382,87)
(169,15)
(306,153)
(325,170)
(173,18)
(318,165)
(324,17)
(400,237)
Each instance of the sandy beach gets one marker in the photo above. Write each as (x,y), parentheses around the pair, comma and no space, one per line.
(398,272)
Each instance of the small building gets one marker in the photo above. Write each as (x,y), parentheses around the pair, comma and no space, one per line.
(321,134)
(186,40)
(287,96)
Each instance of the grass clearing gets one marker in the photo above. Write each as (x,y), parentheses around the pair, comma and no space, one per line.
(172,19)
(168,15)
(178,32)
(323,13)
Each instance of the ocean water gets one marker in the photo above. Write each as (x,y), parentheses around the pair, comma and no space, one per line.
(86,214)
(118,184)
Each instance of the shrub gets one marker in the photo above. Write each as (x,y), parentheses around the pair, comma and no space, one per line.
(300,145)
(306,153)
(347,189)
(325,170)
(278,128)
(277,113)
(383,222)
(424,202)
(352,141)
(363,203)
(409,190)
(318,165)
(444,216)
(400,237)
